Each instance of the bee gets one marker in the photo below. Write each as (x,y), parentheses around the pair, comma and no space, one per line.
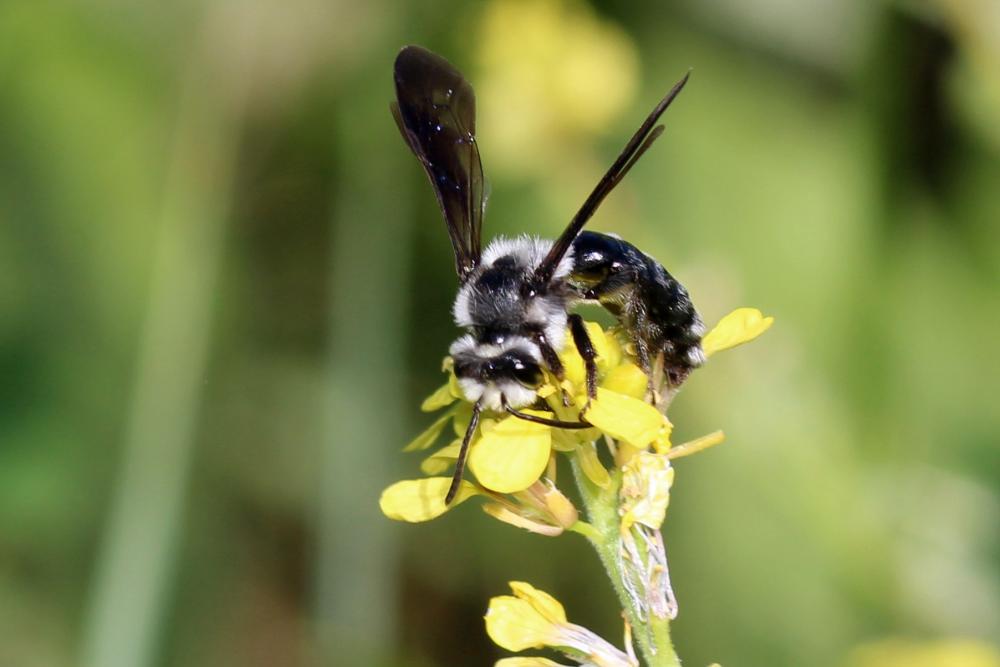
(515,296)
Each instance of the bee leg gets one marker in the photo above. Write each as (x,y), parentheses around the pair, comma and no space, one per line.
(552,361)
(642,356)
(586,348)
(456,479)
(658,380)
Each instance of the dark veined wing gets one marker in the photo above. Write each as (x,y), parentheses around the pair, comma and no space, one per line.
(637,145)
(435,109)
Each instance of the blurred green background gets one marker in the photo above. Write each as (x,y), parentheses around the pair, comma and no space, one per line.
(225,287)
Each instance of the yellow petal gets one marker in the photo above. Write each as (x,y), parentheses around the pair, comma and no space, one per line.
(430,435)
(526,662)
(516,625)
(573,366)
(512,455)
(441,397)
(624,417)
(738,327)
(599,340)
(442,459)
(607,351)
(545,604)
(417,500)
(612,351)
(591,465)
(627,379)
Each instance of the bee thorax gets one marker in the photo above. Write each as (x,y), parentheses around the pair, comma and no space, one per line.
(499,294)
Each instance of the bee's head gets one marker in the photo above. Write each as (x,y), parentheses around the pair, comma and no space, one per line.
(487,372)
(516,365)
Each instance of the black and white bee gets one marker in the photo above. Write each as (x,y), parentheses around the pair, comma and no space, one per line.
(515,296)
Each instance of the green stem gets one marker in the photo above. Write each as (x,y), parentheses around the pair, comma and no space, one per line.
(652,634)
(588,531)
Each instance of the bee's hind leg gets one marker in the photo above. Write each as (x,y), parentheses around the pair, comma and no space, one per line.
(642,356)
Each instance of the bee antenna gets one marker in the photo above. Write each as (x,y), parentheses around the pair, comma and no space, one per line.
(637,145)
(556,423)
(460,462)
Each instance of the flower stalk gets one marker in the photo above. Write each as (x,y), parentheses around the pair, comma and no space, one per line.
(651,632)
(513,467)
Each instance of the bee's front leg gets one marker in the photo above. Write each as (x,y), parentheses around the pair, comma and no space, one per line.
(551,358)
(586,349)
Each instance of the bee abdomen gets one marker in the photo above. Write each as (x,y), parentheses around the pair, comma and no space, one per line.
(651,304)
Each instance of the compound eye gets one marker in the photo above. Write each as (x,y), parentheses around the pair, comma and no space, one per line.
(528,374)
(529,290)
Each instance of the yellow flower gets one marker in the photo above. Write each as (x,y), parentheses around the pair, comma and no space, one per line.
(509,456)
(529,619)
(534,619)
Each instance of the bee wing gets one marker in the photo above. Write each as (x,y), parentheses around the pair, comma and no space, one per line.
(435,110)
(637,145)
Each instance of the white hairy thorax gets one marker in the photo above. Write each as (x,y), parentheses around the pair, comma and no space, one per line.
(476,306)
(546,311)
